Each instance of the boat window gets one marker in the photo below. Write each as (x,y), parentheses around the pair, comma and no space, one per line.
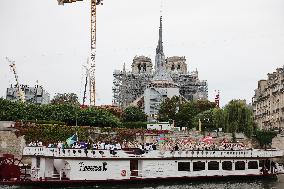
(261,163)
(213,165)
(198,166)
(183,166)
(252,165)
(240,165)
(227,165)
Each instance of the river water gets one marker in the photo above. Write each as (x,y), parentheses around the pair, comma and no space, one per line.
(248,184)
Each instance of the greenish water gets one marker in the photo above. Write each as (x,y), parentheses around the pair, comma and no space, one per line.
(249,184)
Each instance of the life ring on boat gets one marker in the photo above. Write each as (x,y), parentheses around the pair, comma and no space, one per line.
(123,173)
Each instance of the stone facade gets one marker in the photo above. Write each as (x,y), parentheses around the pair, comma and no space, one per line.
(268,101)
(9,142)
(176,64)
(142,64)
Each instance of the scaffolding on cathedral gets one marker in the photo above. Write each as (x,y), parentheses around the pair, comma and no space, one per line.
(129,87)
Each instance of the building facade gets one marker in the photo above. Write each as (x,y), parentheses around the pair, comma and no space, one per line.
(268,101)
(147,87)
(36,94)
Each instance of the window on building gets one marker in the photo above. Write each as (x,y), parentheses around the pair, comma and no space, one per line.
(178,67)
(227,165)
(240,165)
(144,67)
(252,165)
(183,166)
(198,166)
(213,165)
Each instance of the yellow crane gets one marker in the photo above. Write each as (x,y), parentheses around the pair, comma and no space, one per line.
(20,91)
(92,69)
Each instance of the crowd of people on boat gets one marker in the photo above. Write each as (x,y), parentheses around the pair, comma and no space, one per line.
(200,145)
(35,144)
(167,145)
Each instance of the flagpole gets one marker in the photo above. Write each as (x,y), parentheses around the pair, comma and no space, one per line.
(77,136)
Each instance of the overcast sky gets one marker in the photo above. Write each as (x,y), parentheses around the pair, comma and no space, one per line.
(232,43)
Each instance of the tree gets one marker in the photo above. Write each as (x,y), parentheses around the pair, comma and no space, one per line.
(188,110)
(67,113)
(65,98)
(265,137)
(238,117)
(207,121)
(203,105)
(133,114)
(168,109)
(218,118)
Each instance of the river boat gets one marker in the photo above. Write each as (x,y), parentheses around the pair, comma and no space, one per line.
(57,166)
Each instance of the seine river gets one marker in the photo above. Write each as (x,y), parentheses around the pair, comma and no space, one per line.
(252,184)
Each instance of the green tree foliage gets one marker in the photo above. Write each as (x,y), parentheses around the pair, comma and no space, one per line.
(188,111)
(265,137)
(218,118)
(203,105)
(168,109)
(69,114)
(185,115)
(206,119)
(65,98)
(133,114)
(238,117)
(48,133)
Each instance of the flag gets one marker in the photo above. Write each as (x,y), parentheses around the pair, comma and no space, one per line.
(71,140)
(217,99)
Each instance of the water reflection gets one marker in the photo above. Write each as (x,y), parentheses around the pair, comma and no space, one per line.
(250,184)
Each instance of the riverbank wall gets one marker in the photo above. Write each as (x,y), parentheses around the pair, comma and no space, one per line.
(9,142)
(278,142)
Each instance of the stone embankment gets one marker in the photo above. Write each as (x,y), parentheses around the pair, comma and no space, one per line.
(278,142)
(9,142)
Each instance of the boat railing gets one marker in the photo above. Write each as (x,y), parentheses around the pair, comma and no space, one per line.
(74,152)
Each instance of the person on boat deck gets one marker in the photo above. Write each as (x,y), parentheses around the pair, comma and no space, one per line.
(107,146)
(118,146)
(102,145)
(154,147)
(147,147)
(272,166)
(111,150)
(59,145)
(39,143)
(95,146)
(176,148)
(140,146)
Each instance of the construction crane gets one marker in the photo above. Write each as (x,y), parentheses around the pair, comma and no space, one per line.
(20,91)
(86,82)
(92,70)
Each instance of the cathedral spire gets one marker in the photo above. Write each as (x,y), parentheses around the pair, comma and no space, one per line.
(161,73)
(159,49)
